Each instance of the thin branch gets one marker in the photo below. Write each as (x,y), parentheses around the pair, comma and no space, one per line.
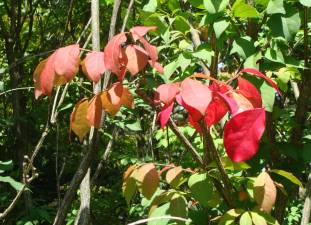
(128,12)
(305,218)
(16,89)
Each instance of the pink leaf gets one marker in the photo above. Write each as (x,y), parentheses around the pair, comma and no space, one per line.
(248,90)
(137,58)
(164,114)
(231,103)
(195,114)
(113,58)
(141,31)
(67,61)
(166,93)
(196,95)
(242,134)
(261,75)
(94,66)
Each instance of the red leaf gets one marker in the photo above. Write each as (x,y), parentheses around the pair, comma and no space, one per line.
(215,111)
(94,66)
(141,31)
(94,111)
(195,114)
(48,75)
(194,124)
(231,103)
(242,134)
(164,114)
(137,58)
(261,75)
(248,90)
(196,95)
(112,53)
(167,92)
(67,61)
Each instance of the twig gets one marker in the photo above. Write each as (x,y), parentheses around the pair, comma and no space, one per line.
(160,218)
(16,89)
(307,205)
(127,15)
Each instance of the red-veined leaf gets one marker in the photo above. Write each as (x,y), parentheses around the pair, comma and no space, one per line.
(137,58)
(196,95)
(242,134)
(164,114)
(94,112)
(112,54)
(67,61)
(166,93)
(93,66)
(141,31)
(261,75)
(264,192)
(78,121)
(248,90)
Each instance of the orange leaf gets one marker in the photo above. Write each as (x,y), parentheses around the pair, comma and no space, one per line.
(67,61)
(94,112)
(129,184)
(264,192)
(47,75)
(78,121)
(173,176)
(127,98)
(147,179)
(137,58)
(36,78)
(107,105)
(93,66)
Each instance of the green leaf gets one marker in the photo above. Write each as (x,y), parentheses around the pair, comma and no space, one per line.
(160,211)
(258,219)
(14,184)
(178,207)
(134,126)
(243,46)
(215,6)
(274,55)
(129,184)
(262,2)
(288,176)
(203,54)
(5,166)
(181,24)
(285,26)
(305,2)
(169,69)
(220,27)
(197,3)
(268,96)
(151,6)
(201,188)
(275,6)
(252,61)
(246,219)
(242,10)
(230,216)
(183,62)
